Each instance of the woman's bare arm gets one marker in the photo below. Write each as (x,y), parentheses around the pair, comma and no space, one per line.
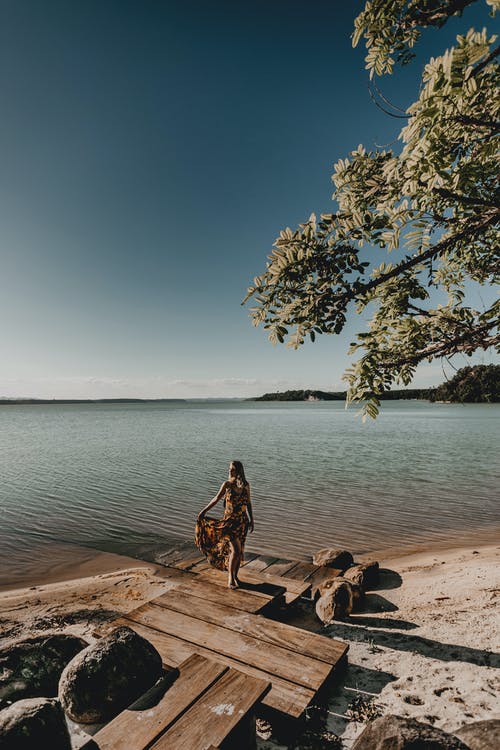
(214,501)
(250,510)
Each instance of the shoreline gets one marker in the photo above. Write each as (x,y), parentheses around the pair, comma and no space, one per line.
(70,561)
(424,646)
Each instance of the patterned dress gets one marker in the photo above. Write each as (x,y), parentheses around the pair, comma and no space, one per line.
(212,535)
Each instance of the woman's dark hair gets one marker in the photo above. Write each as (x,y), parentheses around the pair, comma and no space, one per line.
(241,480)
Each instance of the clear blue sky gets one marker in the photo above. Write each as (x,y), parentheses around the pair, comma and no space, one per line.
(150,153)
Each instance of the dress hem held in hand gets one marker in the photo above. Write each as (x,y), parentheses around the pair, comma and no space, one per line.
(213,536)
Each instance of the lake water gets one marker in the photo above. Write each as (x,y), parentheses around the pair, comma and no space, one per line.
(127,477)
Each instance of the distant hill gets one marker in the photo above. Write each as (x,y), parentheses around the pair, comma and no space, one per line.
(478,384)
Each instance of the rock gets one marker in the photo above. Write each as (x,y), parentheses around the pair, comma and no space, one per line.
(32,667)
(333,558)
(320,578)
(336,603)
(108,676)
(365,575)
(481,735)
(396,733)
(358,595)
(34,723)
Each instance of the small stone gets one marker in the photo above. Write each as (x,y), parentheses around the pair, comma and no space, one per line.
(34,723)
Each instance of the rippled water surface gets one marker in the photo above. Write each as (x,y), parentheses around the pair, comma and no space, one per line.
(119,476)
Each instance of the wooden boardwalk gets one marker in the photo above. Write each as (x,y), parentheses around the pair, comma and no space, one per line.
(198,614)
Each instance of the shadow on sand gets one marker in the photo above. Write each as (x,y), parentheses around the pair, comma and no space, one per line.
(415,643)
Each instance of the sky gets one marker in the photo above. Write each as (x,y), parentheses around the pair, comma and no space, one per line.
(150,153)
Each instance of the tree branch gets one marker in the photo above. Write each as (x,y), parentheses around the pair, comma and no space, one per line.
(441,247)
(494,53)
(466,342)
(464,198)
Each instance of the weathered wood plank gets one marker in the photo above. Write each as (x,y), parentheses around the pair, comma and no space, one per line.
(260,562)
(294,667)
(280,568)
(285,697)
(202,565)
(301,571)
(248,557)
(245,599)
(253,579)
(188,562)
(136,729)
(273,632)
(215,714)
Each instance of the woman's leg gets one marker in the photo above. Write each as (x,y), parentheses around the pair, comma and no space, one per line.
(237,559)
(234,561)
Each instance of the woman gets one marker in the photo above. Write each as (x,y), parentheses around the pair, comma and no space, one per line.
(223,541)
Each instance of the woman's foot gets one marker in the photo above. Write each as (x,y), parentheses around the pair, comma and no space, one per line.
(233,584)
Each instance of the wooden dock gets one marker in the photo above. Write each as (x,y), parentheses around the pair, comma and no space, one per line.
(198,614)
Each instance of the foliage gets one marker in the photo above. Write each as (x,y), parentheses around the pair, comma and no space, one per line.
(480,384)
(435,205)
(302,395)
(307,395)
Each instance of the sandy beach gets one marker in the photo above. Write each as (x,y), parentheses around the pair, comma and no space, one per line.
(425,646)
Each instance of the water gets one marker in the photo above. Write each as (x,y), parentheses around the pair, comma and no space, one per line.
(123,477)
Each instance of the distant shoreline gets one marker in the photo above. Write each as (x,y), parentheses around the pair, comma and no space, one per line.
(17,401)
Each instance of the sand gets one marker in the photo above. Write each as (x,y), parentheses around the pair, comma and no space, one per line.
(426,645)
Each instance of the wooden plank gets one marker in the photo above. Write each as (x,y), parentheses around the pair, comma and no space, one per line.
(254,579)
(301,571)
(136,729)
(215,714)
(261,562)
(244,599)
(169,558)
(284,697)
(202,565)
(248,557)
(294,667)
(188,562)
(280,568)
(273,632)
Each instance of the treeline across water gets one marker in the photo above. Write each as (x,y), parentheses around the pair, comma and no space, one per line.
(478,384)
(313,395)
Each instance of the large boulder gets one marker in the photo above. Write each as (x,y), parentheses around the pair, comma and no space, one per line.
(34,724)
(333,558)
(336,603)
(365,575)
(108,676)
(32,667)
(481,735)
(397,733)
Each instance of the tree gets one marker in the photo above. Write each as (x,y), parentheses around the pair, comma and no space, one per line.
(434,205)
(479,384)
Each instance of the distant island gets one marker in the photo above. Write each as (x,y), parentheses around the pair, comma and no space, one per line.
(478,384)
(313,395)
